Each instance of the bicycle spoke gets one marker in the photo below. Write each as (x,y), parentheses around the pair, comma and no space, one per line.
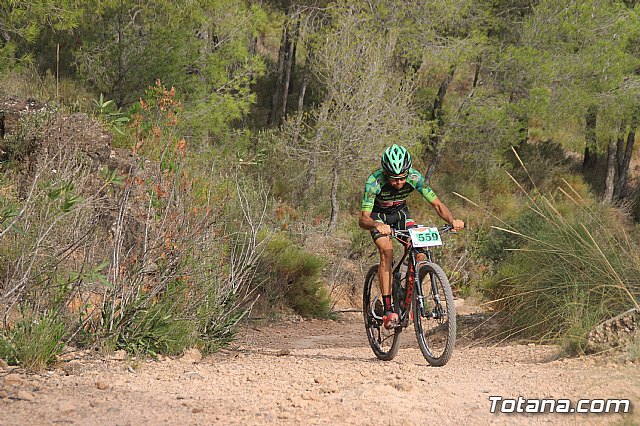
(435,330)
(383,342)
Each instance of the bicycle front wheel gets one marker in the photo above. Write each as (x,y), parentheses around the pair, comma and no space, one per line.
(385,343)
(435,321)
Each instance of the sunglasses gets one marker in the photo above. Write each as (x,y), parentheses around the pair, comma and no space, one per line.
(404,176)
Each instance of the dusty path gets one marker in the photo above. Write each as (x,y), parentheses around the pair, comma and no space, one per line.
(315,372)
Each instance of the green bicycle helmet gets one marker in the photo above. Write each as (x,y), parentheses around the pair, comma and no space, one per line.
(396,161)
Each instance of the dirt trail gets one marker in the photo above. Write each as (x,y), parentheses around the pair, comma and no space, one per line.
(315,372)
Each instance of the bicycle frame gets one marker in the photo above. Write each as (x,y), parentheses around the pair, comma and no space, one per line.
(412,276)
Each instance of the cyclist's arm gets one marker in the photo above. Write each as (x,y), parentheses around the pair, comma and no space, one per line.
(366,222)
(371,189)
(444,212)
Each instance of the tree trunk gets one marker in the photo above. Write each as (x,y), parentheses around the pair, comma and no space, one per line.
(433,164)
(590,148)
(290,59)
(280,71)
(442,91)
(335,206)
(620,147)
(116,92)
(303,91)
(620,189)
(312,172)
(476,74)
(611,172)
(437,116)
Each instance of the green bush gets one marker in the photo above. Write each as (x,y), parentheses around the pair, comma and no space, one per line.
(176,320)
(495,245)
(292,276)
(33,342)
(18,145)
(543,160)
(573,266)
(217,325)
(7,352)
(152,331)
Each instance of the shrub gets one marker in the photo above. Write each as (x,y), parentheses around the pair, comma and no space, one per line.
(291,275)
(20,144)
(572,267)
(152,330)
(175,275)
(34,341)
(496,244)
(188,282)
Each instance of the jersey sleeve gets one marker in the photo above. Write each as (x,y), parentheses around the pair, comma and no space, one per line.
(416,180)
(371,189)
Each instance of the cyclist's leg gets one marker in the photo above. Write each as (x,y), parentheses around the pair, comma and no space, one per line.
(385,249)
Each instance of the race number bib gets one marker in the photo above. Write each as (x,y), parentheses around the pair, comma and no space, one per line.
(425,237)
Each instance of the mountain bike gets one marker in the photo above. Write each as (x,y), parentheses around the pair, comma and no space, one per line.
(421,295)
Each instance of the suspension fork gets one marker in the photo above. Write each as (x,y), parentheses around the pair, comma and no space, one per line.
(434,288)
(419,295)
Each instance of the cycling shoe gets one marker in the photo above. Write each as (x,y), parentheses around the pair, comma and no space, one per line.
(390,320)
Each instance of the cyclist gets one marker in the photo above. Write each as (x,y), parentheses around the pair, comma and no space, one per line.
(384,206)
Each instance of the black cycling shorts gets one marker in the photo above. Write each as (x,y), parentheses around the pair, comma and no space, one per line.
(398,220)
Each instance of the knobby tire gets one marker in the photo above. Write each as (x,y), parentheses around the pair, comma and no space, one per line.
(436,337)
(384,343)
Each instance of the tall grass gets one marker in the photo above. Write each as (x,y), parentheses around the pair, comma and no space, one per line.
(571,265)
(34,341)
(26,82)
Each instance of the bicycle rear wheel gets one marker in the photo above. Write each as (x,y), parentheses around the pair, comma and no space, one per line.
(385,343)
(435,326)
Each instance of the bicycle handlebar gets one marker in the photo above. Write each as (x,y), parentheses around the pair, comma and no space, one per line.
(405,232)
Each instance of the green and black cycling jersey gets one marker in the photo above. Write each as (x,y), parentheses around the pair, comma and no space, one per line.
(381,197)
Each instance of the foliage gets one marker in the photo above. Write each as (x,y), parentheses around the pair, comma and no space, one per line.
(572,266)
(148,40)
(106,110)
(34,341)
(291,276)
(19,145)
(199,289)
(173,277)
(585,55)
(484,134)
(156,329)
(214,69)
(21,22)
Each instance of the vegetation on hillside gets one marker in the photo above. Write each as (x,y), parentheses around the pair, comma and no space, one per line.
(252,126)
